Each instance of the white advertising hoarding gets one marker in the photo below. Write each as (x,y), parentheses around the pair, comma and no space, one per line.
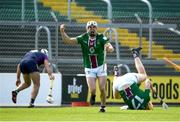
(7,85)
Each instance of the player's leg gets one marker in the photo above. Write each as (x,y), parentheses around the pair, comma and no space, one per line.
(138,64)
(26,84)
(35,76)
(102,87)
(91,81)
(148,85)
(102,74)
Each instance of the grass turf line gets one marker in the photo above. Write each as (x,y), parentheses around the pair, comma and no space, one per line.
(88,114)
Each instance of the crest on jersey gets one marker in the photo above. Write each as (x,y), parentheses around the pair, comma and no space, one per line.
(91,50)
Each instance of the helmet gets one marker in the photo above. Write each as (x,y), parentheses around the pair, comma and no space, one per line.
(44,51)
(89,23)
(117,70)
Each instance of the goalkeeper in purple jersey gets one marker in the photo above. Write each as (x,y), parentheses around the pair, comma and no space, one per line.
(28,66)
(93,45)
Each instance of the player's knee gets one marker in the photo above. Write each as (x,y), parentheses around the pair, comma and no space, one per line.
(145,76)
(92,90)
(28,83)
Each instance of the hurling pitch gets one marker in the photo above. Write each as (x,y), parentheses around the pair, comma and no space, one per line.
(91,114)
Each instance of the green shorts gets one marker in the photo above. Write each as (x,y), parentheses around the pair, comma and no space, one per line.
(136,98)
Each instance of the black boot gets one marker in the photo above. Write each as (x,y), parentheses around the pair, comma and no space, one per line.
(31,105)
(102,109)
(136,52)
(14,96)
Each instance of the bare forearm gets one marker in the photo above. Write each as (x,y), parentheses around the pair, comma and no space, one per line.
(49,70)
(47,67)
(116,95)
(66,39)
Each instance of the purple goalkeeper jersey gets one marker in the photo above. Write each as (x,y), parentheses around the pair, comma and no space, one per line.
(38,57)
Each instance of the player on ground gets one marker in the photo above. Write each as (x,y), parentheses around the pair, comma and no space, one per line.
(127,86)
(28,66)
(93,45)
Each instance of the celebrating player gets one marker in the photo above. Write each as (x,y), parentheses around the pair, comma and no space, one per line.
(127,86)
(93,46)
(28,66)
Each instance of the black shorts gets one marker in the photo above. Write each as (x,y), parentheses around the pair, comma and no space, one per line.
(28,66)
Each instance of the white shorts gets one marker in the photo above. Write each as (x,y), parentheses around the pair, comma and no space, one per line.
(98,71)
(123,81)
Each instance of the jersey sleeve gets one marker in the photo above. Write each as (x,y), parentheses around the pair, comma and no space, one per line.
(79,39)
(105,39)
(45,57)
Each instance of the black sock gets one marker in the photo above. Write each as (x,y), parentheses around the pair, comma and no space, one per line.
(103,106)
(93,96)
(32,101)
(16,91)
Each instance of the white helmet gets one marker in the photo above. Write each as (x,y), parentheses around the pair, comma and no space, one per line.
(117,70)
(89,23)
(44,51)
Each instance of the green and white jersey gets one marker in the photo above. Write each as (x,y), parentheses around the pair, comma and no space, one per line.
(135,98)
(128,88)
(92,49)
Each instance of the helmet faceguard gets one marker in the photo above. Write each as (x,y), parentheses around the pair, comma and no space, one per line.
(91,28)
(117,70)
(91,23)
(44,51)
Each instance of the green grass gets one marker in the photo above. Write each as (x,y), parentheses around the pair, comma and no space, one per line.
(88,114)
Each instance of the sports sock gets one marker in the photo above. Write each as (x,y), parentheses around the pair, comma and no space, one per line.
(92,99)
(16,91)
(32,101)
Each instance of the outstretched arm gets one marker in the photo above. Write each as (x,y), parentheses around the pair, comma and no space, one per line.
(65,37)
(49,70)
(177,67)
